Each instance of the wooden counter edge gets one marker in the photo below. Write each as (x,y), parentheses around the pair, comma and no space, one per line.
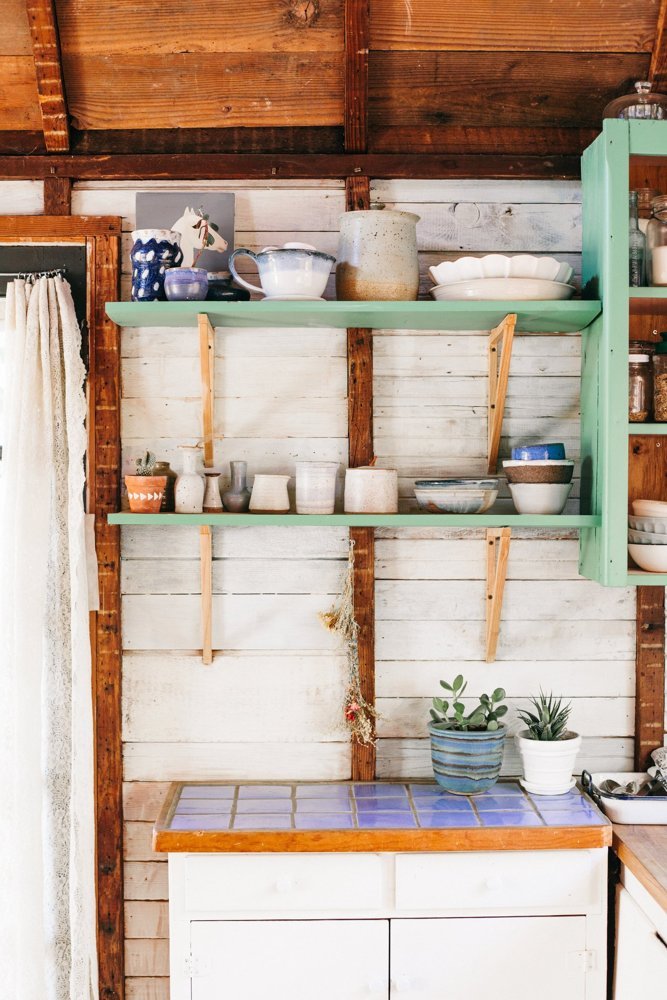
(350,841)
(627,856)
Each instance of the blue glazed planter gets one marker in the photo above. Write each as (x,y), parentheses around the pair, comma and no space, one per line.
(538,452)
(186,284)
(153,252)
(466,763)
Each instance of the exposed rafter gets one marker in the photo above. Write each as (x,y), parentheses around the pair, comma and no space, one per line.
(357,42)
(48,68)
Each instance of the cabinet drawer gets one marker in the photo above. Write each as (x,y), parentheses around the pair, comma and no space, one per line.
(270,883)
(461,882)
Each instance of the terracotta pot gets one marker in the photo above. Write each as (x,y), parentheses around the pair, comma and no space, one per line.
(145,493)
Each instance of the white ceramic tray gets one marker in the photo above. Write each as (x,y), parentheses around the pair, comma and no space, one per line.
(650,811)
(504,289)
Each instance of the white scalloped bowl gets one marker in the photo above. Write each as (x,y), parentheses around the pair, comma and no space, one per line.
(652,558)
(655,525)
(646,537)
(649,508)
(497,265)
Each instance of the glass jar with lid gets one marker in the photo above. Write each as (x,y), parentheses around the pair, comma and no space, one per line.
(660,380)
(656,242)
(639,388)
(642,104)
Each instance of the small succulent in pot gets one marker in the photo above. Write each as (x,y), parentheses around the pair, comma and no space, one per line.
(548,748)
(145,491)
(467,746)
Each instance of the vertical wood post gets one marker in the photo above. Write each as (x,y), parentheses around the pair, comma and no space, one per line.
(360,424)
(207,367)
(103,494)
(357,43)
(57,195)
(650,674)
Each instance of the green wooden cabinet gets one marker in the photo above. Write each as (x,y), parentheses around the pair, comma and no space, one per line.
(625,155)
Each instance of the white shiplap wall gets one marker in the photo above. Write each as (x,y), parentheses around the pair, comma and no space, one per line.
(269,706)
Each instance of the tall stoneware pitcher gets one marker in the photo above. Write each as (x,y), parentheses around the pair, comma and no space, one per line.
(377,256)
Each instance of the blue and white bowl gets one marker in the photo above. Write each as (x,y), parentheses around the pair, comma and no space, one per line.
(456,496)
(538,452)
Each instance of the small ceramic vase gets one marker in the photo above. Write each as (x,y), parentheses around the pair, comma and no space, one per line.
(212,499)
(164,469)
(377,256)
(237,498)
(186,284)
(371,491)
(316,487)
(269,495)
(145,493)
(189,491)
(153,252)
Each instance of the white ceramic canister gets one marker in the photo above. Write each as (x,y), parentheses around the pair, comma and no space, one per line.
(269,494)
(316,487)
(377,256)
(371,491)
(189,488)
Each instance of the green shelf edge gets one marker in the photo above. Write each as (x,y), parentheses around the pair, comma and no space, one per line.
(464,316)
(650,292)
(639,429)
(365,520)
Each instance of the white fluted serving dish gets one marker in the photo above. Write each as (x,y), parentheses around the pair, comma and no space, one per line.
(497,265)
(504,289)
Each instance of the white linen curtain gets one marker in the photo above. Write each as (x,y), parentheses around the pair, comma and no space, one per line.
(47,846)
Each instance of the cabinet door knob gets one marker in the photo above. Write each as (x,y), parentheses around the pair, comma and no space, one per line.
(284,884)
(402,984)
(494,882)
(378,985)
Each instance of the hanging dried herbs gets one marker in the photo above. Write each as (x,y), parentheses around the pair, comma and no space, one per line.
(359,714)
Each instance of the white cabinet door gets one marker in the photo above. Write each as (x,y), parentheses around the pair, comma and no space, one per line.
(641,956)
(474,958)
(290,959)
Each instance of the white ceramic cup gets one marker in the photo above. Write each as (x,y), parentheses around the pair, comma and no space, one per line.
(316,487)
(371,491)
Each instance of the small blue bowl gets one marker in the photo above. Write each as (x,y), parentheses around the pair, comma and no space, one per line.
(538,453)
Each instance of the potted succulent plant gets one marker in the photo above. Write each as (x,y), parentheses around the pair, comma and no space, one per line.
(467,749)
(548,748)
(145,490)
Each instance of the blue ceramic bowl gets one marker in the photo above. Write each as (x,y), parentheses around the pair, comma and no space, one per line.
(466,763)
(538,452)
(186,284)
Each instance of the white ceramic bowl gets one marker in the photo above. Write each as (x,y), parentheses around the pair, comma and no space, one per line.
(540,498)
(652,558)
(438,500)
(657,525)
(649,508)
(503,290)
(496,265)
(646,538)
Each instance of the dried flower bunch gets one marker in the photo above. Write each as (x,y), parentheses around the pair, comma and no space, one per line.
(359,715)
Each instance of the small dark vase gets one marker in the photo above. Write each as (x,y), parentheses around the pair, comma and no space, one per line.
(237,498)
(168,500)
(153,252)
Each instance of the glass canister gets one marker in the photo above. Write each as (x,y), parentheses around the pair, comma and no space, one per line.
(639,388)
(656,242)
(316,487)
(660,381)
(644,103)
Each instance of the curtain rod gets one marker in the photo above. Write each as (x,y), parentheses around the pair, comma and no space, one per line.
(34,274)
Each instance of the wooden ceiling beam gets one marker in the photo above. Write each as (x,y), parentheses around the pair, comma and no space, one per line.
(357,43)
(48,68)
(268,166)
(658,68)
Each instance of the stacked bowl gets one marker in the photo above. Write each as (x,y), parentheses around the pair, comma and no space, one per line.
(456,496)
(496,276)
(647,535)
(539,478)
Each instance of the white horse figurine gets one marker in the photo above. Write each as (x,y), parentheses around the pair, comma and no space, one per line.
(191,238)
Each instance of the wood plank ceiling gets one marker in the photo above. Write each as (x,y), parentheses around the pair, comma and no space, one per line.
(494,77)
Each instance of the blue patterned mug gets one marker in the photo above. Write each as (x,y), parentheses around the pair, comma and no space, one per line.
(153,252)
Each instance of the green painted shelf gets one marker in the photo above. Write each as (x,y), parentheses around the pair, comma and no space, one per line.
(639,578)
(366,520)
(463,316)
(647,428)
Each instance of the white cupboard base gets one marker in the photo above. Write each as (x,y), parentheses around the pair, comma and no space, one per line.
(455,926)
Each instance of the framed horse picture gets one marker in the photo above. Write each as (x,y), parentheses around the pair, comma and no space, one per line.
(182,211)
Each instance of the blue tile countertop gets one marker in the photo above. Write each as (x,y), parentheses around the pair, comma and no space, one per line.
(367,816)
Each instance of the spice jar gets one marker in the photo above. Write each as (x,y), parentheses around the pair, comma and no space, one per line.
(660,380)
(639,388)
(656,242)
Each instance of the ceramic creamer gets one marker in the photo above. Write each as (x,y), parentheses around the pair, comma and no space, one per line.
(269,495)
(296,270)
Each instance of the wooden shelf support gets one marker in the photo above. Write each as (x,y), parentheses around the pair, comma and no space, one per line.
(207,364)
(500,345)
(497,554)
